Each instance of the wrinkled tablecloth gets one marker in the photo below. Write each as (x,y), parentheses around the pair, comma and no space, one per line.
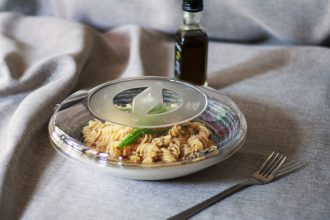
(282,89)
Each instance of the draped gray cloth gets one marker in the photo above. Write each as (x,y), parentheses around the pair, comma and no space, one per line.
(270,57)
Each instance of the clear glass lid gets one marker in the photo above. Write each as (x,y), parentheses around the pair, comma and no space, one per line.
(146,102)
(147,122)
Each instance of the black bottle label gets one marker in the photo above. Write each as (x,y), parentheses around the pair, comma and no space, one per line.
(178,60)
(191,56)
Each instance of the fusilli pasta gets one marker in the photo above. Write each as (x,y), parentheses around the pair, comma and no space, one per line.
(180,142)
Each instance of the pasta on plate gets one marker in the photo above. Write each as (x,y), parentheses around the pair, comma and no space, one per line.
(179,142)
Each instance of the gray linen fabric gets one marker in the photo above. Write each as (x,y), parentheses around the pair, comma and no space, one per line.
(284,21)
(284,92)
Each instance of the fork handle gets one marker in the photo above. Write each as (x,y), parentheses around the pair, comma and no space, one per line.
(210,201)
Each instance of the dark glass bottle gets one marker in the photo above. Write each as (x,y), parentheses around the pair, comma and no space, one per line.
(191,45)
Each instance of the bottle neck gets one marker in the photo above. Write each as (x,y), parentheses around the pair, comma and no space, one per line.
(192,20)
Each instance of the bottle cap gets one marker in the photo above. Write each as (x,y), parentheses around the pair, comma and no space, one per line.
(192,5)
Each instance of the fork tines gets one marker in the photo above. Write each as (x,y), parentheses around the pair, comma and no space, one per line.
(272,164)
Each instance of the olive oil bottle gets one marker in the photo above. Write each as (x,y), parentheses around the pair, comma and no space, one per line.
(191,44)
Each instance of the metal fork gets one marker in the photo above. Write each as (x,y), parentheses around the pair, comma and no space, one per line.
(263,175)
